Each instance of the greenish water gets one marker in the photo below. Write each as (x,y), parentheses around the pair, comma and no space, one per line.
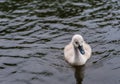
(33,34)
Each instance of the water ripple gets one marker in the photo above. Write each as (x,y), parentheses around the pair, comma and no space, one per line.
(33,34)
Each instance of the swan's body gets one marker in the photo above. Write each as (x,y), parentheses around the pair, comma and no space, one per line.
(77,52)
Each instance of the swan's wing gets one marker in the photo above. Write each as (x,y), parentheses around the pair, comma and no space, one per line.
(68,52)
(88,50)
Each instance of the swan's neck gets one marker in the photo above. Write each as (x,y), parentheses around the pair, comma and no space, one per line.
(78,57)
(77,52)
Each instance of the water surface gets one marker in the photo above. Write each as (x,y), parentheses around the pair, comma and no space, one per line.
(33,34)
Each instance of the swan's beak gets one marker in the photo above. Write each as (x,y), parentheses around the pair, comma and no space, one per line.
(81,50)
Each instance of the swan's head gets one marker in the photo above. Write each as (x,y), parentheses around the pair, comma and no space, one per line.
(78,41)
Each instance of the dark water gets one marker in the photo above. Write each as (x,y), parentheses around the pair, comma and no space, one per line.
(33,34)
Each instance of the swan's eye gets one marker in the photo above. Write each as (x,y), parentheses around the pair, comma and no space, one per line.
(76,42)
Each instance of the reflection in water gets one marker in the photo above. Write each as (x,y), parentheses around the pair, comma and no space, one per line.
(79,74)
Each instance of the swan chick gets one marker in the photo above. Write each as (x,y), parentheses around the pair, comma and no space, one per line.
(77,52)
